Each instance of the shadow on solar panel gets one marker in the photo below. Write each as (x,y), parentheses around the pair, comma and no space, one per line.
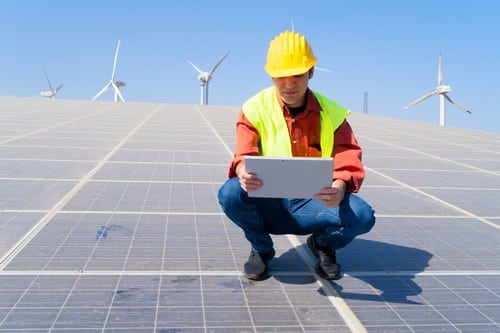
(388,268)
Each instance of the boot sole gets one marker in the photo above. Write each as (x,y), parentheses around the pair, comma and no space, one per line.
(259,277)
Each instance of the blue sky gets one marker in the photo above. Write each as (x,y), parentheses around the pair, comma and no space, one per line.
(387,48)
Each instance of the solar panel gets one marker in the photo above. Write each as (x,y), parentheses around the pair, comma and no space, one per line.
(109,221)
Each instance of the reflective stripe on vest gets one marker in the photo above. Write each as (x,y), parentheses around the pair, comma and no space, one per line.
(266,115)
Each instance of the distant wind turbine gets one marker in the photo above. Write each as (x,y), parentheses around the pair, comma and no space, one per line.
(113,83)
(204,78)
(443,91)
(51,93)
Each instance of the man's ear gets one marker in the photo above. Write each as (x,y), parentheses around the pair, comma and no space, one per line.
(311,72)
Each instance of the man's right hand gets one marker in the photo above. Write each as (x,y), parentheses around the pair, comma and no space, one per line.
(248,181)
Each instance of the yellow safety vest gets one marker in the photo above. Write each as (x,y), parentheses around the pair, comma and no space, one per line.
(266,115)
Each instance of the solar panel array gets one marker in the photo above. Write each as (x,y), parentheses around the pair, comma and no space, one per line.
(109,222)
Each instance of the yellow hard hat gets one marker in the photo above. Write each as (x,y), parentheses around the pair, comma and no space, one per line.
(289,54)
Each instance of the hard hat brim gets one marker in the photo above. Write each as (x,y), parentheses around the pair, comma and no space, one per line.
(288,72)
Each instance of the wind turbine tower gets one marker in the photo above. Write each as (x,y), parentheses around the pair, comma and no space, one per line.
(365,102)
(115,84)
(204,78)
(442,91)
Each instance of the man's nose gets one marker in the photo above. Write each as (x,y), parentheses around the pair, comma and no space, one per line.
(290,80)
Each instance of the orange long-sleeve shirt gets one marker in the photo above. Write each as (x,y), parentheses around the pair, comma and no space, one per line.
(305,133)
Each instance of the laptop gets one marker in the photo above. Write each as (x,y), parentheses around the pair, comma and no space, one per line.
(290,177)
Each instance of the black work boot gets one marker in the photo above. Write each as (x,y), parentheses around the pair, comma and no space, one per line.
(256,266)
(327,266)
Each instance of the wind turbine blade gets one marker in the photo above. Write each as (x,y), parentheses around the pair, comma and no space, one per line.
(217,65)
(117,92)
(322,69)
(116,58)
(420,99)
(106,87)
(196,68)
(440,70)
(456,104)
(47,77)
(59,87)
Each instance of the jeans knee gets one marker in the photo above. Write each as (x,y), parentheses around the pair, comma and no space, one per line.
(229,195)
(366,221)
(360,213)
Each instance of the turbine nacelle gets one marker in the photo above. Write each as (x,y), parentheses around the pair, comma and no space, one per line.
(204,78)
(443,89)
(48,94)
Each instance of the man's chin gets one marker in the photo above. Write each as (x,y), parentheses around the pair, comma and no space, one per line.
(289,100)
(291,103)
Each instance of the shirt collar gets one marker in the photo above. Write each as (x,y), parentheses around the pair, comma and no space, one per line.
(312,103)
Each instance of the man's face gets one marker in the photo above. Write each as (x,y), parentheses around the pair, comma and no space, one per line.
(292,89)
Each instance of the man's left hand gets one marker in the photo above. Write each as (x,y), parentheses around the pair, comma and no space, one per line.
(332,196)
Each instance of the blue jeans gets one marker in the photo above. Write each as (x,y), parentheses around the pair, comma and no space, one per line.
(260,217)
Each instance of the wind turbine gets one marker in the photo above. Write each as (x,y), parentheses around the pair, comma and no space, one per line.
(443,91)
(51,93)
(113,83)
(205,77)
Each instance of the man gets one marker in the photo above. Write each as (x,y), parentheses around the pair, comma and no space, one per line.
(289,119)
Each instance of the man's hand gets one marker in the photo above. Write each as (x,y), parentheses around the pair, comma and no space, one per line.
(248,181)
(332,196)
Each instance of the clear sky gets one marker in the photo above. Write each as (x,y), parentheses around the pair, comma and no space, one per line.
(388,49)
